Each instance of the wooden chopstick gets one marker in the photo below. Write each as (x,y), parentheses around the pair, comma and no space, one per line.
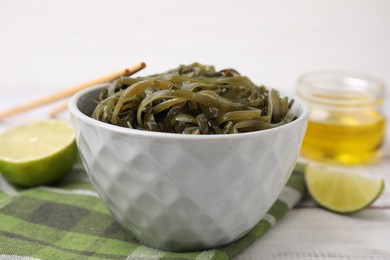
(70,91)
(58,109)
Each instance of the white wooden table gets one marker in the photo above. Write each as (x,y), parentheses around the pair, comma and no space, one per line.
(46,46)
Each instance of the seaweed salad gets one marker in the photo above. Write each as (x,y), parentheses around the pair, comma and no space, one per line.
(193,99)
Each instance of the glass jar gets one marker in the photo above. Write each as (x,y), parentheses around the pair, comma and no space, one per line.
(346,123)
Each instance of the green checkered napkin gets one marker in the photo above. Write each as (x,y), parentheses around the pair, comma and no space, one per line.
(69,221)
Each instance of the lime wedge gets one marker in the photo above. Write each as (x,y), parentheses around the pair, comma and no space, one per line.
(37,153)
(342,191)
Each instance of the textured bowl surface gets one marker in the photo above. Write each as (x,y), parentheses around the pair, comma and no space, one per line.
(185,192)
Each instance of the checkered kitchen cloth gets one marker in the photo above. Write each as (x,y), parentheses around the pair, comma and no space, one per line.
(69,221)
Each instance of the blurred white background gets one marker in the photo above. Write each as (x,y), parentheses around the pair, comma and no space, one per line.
(50,45)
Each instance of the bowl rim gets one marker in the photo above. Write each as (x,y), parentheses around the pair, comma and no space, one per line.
(75,111)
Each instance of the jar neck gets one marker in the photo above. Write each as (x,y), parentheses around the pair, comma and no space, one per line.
(341,90)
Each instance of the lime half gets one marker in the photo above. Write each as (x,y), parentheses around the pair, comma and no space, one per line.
(342,191)
(37,153)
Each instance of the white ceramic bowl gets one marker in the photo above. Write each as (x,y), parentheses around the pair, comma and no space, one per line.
(185,192)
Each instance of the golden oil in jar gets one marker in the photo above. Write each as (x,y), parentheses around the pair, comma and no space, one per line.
(346,124)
